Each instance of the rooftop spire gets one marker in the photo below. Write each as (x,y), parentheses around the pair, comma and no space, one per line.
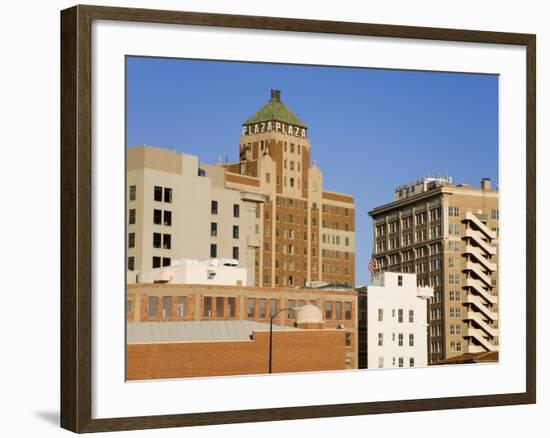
(275,110)
(275,95)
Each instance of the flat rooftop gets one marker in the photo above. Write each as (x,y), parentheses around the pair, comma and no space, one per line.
(194,331)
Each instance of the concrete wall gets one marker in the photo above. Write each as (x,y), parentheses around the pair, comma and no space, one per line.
(190,207)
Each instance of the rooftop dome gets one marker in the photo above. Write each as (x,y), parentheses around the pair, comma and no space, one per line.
(309,314)
(275,110)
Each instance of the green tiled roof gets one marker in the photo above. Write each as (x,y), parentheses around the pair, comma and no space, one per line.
(275,110)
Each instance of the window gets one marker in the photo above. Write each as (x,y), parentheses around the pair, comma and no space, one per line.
(420,218)
(214,207)
(400,315)
(291,304)
(152,307)
(231,305)
(454,211)
(167,195)
(131,263)
(435,214)
(400,362)
(338,310)
(453,245)
(380,339)
(157,217)
(236,252)
(132,193)
(156,262)
(328,310)
(262,307)
(380,315)
(454,229)
(132,216)
(167,218)
(411,315)
(235,210)
(128,307)
(411,340)
(267,178)
(181,307)
(166,261)
(156,240)
(347,311)
(213,229)
(451,262)
(235,231)
(400,339)
(300,304)
(207,307)
(435,231)
(131,240)
(381,362)
(494,214)
(157,193)
(272,306)
(454,279)
(411,362)
(219,307)
(166,306)
(400,280)
(213,250)
(250,308)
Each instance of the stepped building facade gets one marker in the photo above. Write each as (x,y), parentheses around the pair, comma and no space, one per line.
(308,232)
(448,235)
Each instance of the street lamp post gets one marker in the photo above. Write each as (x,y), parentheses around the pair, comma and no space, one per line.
(273,315)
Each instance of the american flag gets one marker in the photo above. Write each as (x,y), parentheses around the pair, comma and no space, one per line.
(372,268)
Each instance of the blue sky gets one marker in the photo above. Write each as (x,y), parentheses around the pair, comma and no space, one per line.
(370,129)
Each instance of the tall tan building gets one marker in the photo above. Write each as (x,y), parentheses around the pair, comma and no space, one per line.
(308,232)
(448,235)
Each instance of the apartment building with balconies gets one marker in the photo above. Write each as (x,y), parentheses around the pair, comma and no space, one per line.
(448,235)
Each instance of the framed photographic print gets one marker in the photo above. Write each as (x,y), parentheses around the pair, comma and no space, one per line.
(269,218)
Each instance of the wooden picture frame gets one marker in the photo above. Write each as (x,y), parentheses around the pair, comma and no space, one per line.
(76,217)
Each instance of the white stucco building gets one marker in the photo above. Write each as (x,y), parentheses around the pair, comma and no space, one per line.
(216,272)
(394,312)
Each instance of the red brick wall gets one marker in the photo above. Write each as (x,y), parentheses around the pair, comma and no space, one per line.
(293,351)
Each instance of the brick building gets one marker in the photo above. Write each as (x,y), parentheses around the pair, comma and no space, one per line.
(224,348)
(308,232)
(186,302)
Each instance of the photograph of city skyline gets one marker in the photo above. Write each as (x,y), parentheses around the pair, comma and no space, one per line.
(292,218)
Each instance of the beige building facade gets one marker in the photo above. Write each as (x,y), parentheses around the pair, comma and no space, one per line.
(448,234)
(177,210)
